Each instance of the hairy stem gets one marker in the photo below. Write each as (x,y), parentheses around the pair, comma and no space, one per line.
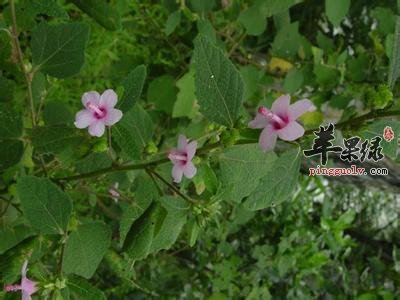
(351,123)
(28,76)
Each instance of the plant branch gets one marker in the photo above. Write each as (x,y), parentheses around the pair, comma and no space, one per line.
(28,76)
(355,122)
(170,186)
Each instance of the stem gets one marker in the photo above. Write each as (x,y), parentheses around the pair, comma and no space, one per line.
(205,149)
(28,76)
(171,186)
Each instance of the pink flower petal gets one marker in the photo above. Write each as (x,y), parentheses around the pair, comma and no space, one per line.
(97,128)
(26,296)
(191,149)
(281,105)
(92,96)
(300,107)
(189,170)
(28,286)
(268,138)
(182,142)
(113,116)
(177,172)
(291,132)
(108,99)
(259,121)
(84,118)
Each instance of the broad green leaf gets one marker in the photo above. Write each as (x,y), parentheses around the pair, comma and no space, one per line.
(336,10)
(394,66)
(186,98)
(7,87)
(133,86)
(293,81)
(56,113)
(390,149)
(82,289)
(12,236)
(133,132)
(273,7)
(201,6)
(162,92)
(205,28)
(55,139)
(254,19)
(251,77)
(242,167)
(10,122)
(101,11)
(46,207)
(58,50)
(173,21)
(386,19)
(278,184)
(144,195)
(158,228)
(85,249)
(11,152)
(287,41)
(177,211)
(94,161)
(219,86)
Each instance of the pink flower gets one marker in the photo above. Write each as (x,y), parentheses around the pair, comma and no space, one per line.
(99,111)
(280,121)
(27,286)
(182,159)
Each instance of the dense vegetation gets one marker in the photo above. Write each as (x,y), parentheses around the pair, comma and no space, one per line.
(99,215)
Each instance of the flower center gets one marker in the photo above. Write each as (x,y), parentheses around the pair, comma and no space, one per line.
(177,157)
(99,112)
(276,120)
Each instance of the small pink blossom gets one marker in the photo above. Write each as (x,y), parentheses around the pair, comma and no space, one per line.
(99,111)
(280,121)
(182,159)
(27,286)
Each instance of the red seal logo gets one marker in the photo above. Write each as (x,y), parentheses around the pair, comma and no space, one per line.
(388,134)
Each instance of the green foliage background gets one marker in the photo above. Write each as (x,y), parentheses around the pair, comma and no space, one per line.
(250,225)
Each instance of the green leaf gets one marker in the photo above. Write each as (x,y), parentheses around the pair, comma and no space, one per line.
(93,162)
(102,12)
(85,249)
(12,236)
(336,10)
(242,167)
(394,66)
(84,290)
(158,228)
(254,19)
(173,21)
(177,210)
(46,207)
(133,86)
(293,81)
(201,6)
(287,41)
(144,195)
(219,86)
(133,132)
(11,152)
(57,113)
(186,98)
(10,122)
(278,184)
(162,92)
(54,139)
(58,50)
(7,88)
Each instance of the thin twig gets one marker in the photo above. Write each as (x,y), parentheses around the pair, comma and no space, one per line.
(171,186)
(28,76)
